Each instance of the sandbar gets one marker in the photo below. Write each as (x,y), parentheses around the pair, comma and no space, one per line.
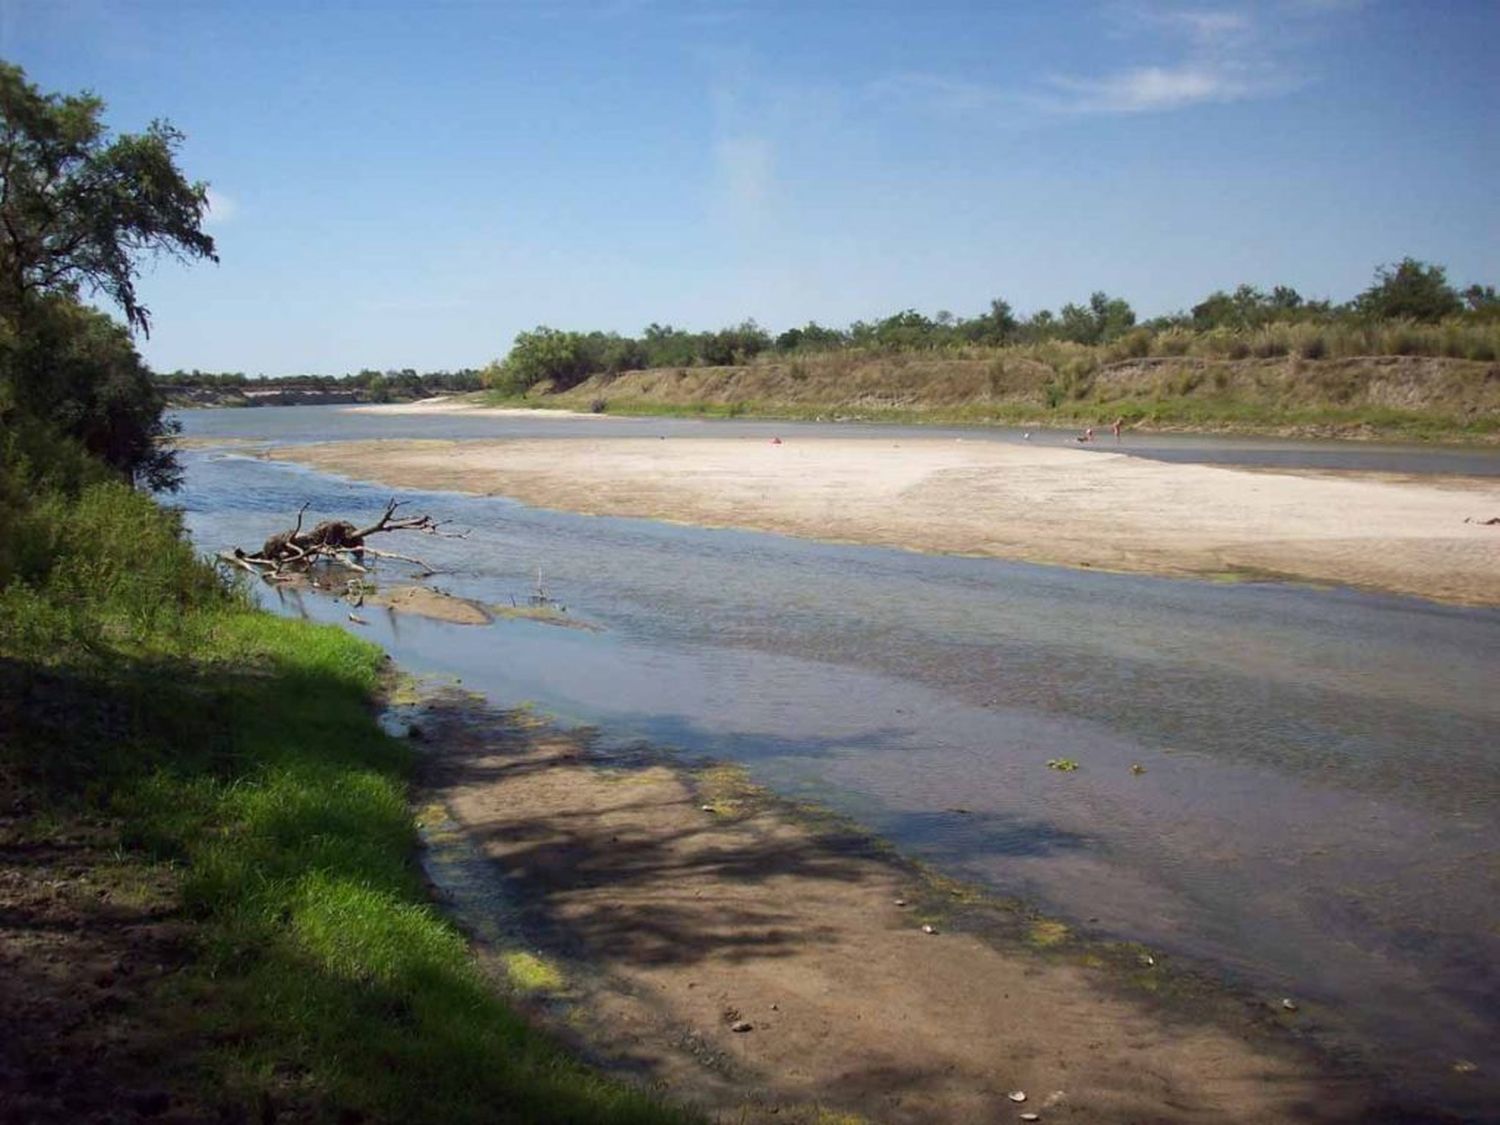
(1036,504)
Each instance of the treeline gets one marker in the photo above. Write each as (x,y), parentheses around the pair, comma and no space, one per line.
(368,384)
(1410,308)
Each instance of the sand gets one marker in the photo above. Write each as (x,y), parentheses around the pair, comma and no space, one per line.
(1038,504)
(449,404)
(671,923)
(422,601)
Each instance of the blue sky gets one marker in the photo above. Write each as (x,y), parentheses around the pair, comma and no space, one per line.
(411,184)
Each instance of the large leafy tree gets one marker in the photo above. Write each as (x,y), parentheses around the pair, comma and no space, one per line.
(79,210)
(1410,290)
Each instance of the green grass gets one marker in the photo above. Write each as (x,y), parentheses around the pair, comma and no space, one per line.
(1156,413)
(239,750)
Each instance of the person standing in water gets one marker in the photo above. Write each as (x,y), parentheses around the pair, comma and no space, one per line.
(1116,427)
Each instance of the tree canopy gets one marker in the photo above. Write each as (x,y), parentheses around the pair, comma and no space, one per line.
(78,213)
(78,210)
(1411,290)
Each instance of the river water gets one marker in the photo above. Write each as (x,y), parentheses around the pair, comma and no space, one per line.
(1319,812)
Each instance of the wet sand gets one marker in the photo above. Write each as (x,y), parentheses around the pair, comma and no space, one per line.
(675,908)
(1046,505)
(425,602)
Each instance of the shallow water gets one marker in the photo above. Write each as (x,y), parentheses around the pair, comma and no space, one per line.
(1318,815)
(323,423)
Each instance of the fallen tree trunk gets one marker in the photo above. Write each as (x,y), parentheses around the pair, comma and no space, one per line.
(332,541)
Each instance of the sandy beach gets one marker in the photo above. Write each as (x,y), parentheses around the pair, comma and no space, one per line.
(1046,505)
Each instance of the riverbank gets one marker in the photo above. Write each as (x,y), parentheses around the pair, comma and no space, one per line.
(1424,397)
(768,964)
(1038,504)
(209,908)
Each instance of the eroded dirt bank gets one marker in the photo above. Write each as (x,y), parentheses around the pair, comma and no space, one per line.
(1047,505)
(768,966)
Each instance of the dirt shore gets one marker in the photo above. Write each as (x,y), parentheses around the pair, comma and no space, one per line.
(689,931)
(1047,505)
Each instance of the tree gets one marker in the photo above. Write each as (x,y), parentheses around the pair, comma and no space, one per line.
(80,211)
(76,370)
(994,327)
(542,354)
(1482,299)
(1409,290)
(1103,320)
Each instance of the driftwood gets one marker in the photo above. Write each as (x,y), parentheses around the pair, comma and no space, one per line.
(290,554)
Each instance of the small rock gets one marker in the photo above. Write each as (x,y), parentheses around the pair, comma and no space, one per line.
(1017,1095)
(708,808)
(775,1007)
(929,929)
(1137,769)
(900,902)
(357,619)
(741,1025)
(1035,1116)
(1464,1066)
(1289,1004)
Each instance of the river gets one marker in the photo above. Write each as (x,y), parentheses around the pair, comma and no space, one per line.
(1316,812)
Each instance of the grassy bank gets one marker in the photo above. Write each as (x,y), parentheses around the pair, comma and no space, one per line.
(1408,396)
(166,735)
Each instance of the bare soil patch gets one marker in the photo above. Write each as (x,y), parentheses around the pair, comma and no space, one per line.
(87,944)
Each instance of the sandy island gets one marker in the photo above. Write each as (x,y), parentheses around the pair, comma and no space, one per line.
(1038,504)
(770,966)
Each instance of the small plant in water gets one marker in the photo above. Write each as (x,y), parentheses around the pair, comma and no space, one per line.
(1066,765)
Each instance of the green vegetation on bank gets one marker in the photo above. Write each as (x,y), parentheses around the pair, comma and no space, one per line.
(1410,356)
(226,754)
(187,388)
(1409,309)
(1416,397)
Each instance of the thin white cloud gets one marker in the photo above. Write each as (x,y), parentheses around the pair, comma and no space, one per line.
(1194,55)
(1148,88)
(1221,56)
